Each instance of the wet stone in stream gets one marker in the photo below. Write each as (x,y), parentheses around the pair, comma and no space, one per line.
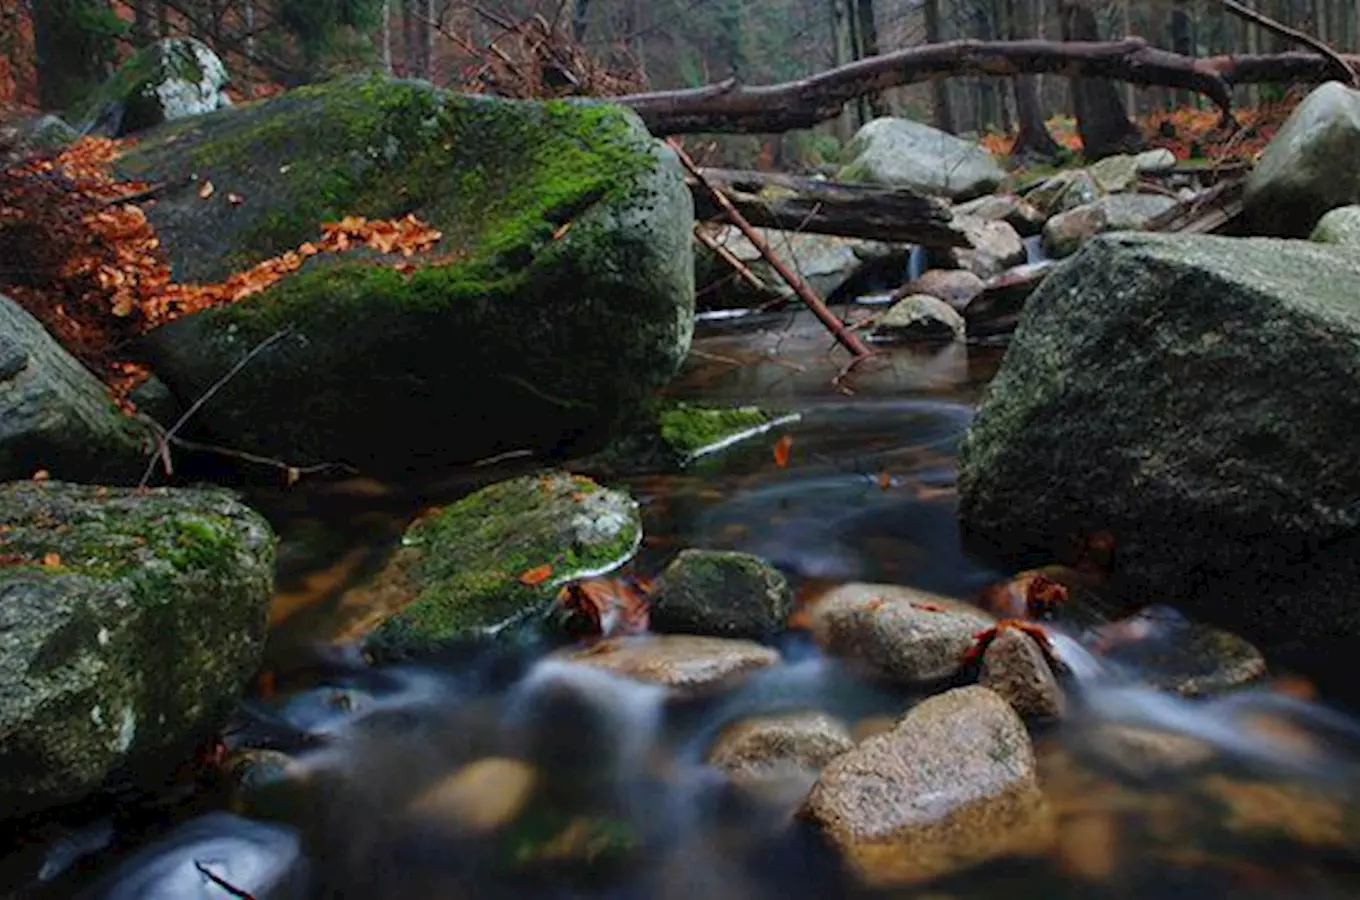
(898,633)
(1014,666)
(724,594)
(686,663)
(1171,653)
(772,745)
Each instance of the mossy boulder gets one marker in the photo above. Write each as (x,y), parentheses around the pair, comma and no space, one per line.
(559,298)
(132,622)
(55,415)
(721,593)
(171,79)
(494,559)
(1194,397)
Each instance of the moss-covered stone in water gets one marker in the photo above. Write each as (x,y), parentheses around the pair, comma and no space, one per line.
(568,329)
(691,429)
(725,594)
(461,572)
(132,622)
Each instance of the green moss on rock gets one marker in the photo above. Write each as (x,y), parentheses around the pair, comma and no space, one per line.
(571,328)
(132,621)
(723,594)
(459,573)
(691,429)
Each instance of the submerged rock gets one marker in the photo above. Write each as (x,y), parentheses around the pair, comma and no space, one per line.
(1172,653)
(919,317)
(1309,165)
(721,593)
(56,416)
(774,745)
(903,152)
(558,299)
(898,633)
(132,621)
(172,79)
(684,662)
(1189,395)
(493,560)
(953,785)
(478,798)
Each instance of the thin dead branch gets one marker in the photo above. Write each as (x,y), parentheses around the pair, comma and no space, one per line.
(740,268)
(845,338)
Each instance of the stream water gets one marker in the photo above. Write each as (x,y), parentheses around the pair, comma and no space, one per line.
(1269,811)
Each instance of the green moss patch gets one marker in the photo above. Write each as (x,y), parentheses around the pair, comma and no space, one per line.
(497,557)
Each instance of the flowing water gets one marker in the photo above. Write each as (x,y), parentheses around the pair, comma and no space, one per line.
(379,799)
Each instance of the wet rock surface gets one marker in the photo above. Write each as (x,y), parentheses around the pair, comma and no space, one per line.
(724,594)
(774,745)
(683,662)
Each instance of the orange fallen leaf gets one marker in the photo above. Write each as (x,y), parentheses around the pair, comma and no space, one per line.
(561,231)
(51,560)
(781,450)
(884,480)
(536,575)
(206,190)
(267,685)
(42,475)
(235,199)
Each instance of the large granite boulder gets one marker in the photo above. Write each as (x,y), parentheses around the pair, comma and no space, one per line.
(171,79)
(558,298)
(55,415)
(1309,166)
(1193,396)
(132,621)
(903,152)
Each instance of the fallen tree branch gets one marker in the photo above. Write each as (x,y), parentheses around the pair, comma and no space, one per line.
(732,107)
(221,882)
(872,211)
(162,452)
(1344,70)
(727,256)
(847,339)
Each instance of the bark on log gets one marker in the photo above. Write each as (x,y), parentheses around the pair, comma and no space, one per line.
(876,212)
(732,107)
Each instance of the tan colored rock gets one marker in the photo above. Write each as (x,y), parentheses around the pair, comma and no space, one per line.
(953,785)
(480,797)
(770,745)
(684,662)
(919,318)
(1144,752)
(954,286)
(900,633)
(1016,668)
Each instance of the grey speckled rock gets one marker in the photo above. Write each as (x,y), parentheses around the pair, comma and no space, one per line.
(919,318)
(1339,226)
(1017,670)
(720,593)
(1008,208)
(951,786)
(131,621)
(1309,166)
(898,633)
(954,286)
(996,246)
(1066,232)
(773,745)
(683,662)
(899,151)
(55,415)
(1192,396)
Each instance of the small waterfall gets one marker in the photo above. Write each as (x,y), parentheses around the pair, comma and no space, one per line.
(1034,249)
(916,263)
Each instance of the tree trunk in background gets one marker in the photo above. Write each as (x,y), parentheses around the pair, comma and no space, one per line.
(862,112)
(1032,138)
(387,37)
(944,113)
(845,122)
(246,75)
(162,20)
(1181,42)
(143,23)
(1102,121)
(71,58)
(579,10)
(409,33)
(868,32)
(431,28)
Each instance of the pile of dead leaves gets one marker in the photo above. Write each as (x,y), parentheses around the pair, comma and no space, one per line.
(80,254)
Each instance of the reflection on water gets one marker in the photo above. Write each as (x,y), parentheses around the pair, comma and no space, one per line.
(505,774)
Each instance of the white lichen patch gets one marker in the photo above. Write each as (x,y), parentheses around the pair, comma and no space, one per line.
(103,637)
(127,729)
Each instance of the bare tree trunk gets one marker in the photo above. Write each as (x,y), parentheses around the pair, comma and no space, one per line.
(944,113)
(579,10)
(1102,121)
(427,50)
(143,23)
(249,68)
(845,121)
(162,19)
(387,37)
(1181,43)
(868,32)
(409,27)
(862,111)
(1032,138)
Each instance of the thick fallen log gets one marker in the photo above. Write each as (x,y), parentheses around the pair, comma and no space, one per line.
(733,107)
(876,212)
